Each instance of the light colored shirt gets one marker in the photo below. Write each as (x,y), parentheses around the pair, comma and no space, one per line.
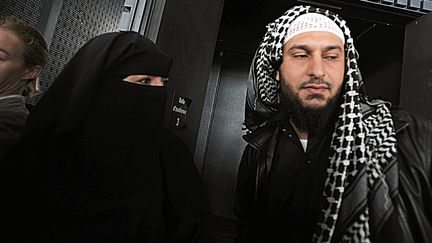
(304,143)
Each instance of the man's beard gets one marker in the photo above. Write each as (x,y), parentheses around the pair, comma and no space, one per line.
(312,120)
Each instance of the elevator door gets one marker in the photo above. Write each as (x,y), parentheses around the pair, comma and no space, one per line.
(225,144)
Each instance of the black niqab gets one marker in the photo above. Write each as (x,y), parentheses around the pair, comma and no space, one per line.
(63,107)
(104,179)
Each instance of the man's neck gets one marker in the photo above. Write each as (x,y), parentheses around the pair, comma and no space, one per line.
(300,134)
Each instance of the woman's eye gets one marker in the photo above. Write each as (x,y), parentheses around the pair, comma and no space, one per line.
(144,81)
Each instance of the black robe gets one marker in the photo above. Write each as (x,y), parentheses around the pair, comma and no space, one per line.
(102,167)
(13,114)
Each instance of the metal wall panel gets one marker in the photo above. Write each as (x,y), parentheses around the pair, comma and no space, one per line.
(225,146)
(78,21)
(28,11)
(411,5)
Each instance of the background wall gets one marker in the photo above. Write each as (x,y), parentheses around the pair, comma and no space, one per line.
(188,33)
(416,94)
(74,23)
(27,10)
(78,21)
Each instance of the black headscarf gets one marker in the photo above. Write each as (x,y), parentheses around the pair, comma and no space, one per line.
(63,107)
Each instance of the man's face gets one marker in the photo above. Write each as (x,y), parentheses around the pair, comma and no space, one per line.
(12,66)
(312,68)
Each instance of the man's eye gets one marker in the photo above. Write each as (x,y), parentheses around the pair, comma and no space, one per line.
(332,57)
(300,56)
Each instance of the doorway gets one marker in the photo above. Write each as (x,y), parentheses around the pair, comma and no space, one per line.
(379,39)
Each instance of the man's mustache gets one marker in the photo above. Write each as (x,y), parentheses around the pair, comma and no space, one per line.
(316,81)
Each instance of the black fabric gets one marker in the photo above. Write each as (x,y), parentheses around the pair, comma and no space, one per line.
(62,108)
(411,172)
(291,199)
(99,167)
(13,115)
(104,181)
(415,179)
(187,209)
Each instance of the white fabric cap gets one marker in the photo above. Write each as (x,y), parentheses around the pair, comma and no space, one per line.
(313,22)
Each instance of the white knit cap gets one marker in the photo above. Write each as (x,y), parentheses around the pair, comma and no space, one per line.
(313,22)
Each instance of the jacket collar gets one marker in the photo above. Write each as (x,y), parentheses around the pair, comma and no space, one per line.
(258,138)
(400,125)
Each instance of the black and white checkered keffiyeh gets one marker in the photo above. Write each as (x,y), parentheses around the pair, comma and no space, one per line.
(358,142)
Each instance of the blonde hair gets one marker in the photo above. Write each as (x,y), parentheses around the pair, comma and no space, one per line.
(35,47)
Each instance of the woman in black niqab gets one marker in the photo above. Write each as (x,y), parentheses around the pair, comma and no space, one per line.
(106,176)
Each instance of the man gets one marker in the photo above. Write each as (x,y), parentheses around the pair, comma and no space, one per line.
(324,163)
(23,54)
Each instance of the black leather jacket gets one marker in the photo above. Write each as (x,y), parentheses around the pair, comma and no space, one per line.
(409,177)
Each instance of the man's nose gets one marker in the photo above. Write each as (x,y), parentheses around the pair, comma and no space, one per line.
(316,67)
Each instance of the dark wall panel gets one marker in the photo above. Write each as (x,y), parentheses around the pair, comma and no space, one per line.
(412,5)
(225,146)
(416,87)
(78,21)
(188,33)
(381,52)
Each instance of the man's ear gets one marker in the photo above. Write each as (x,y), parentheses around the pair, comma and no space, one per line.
(277,76)
(32,72)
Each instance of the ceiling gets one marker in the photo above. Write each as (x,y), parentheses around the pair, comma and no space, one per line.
(243,21)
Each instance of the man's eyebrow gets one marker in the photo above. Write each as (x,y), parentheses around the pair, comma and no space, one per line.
(333,47)
(300,46)
(308,49)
